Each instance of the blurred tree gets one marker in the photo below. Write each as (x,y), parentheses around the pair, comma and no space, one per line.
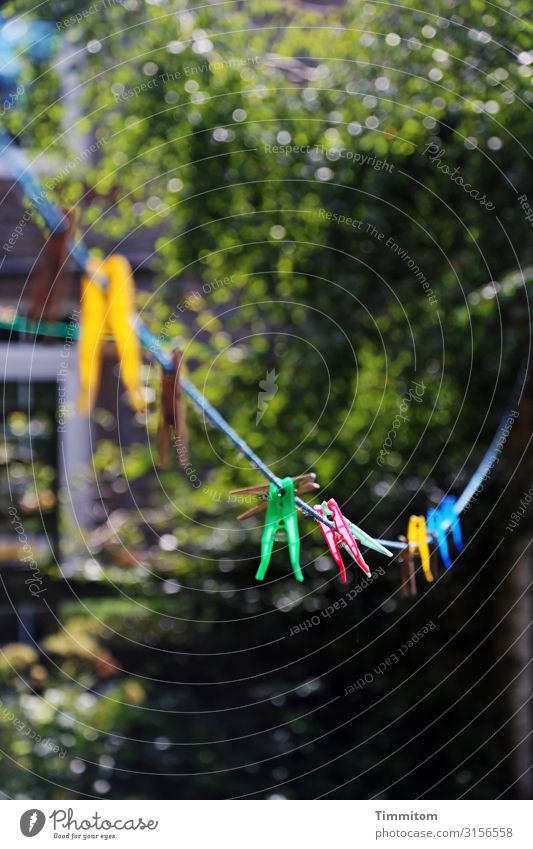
(337,199)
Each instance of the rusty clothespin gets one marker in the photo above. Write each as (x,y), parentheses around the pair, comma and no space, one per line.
(303,483)
(47,283)
(173,414)
(408,587)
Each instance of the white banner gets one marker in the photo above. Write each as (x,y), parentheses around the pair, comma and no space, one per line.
(247,824)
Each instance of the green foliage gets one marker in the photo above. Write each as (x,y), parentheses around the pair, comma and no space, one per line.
(247,139)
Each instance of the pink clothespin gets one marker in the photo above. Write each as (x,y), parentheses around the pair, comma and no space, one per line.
(331,539)
(340,535)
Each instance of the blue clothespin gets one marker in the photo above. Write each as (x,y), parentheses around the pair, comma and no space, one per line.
(435,526)
(439,521)
(450,514)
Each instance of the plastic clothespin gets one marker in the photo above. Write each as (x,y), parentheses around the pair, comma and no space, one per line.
(450,514)
(440,520)
(48,281)
(367,540)
(331,538)
(102,311)
(362,536)
(407,561)
(303,484)
(417,533)
(436,527)
(340,535)
(173,414)
(281,511)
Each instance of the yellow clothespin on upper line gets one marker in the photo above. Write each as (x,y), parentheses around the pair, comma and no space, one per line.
(418,544)
(108,310)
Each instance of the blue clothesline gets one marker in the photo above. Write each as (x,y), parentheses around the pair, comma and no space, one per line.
(55,220)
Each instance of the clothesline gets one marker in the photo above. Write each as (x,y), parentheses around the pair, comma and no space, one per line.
(55,220)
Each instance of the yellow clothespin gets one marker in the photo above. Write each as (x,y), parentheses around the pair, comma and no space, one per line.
(417,540)
(108,310)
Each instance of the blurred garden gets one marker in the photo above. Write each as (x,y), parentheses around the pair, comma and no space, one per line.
(337,199)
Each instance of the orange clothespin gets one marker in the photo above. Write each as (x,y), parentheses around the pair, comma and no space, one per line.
(418,544)
(303,484)
(407,561)
(47,282)
(173,414)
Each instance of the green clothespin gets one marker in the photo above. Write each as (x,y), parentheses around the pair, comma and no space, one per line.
(359,534)
(366,540)
(281,510)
